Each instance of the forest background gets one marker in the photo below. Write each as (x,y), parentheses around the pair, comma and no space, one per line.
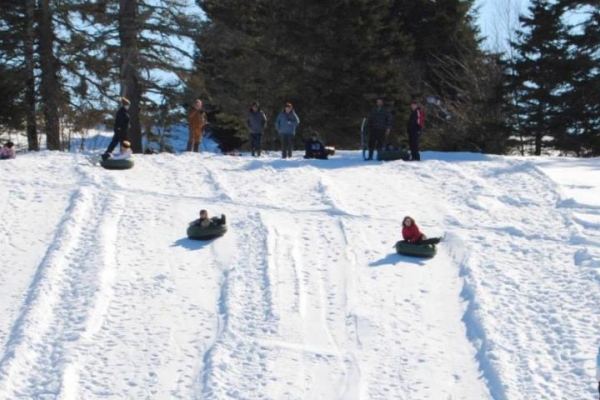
(529,86)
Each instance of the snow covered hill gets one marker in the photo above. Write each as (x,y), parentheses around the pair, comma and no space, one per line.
(102,296)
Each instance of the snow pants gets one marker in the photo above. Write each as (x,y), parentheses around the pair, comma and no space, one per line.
(119,137)
(376,139)
(413,143)
(194,140)
(287,145)
(256,143)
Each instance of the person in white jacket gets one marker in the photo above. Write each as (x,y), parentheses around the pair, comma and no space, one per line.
(125,152)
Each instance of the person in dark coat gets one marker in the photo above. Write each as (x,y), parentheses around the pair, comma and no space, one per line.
(120,128)
(256,121)
(414,128)
(205,222)
(411,233)
(315,148)
(379,125)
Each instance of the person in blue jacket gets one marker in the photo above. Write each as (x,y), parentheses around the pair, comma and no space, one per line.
(286,124)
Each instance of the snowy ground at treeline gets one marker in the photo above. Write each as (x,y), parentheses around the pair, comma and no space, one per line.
(102,296)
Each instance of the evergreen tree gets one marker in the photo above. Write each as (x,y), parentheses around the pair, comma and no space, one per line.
(538,75)
(330,68)
(49,82)
(580,99)
(17,68)
(132,42)
(79,53)
(29,74)
(444,71)
(333,60)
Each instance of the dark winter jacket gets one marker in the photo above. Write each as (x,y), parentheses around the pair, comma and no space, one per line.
(416,121)
(286,123)
(122,121)
(412,234)
(315,148)
(380,120)
(256,121)
(206,222)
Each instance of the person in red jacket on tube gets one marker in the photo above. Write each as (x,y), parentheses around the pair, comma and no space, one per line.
(411,233)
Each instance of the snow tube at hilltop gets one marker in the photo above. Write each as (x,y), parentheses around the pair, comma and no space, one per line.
(117,164)
(415,250)
(391,155)
(210,232)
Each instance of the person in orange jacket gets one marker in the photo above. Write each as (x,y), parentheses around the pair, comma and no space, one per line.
(197,118)
(411,233)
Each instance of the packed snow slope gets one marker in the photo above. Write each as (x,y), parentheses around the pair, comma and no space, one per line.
(102,296)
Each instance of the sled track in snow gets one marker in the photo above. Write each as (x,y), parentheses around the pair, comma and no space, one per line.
(57,308)
(536,298)
(236,364)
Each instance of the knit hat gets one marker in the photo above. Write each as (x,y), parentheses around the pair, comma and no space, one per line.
(125,101)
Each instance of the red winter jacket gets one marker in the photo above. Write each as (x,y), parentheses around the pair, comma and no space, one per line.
(411,234)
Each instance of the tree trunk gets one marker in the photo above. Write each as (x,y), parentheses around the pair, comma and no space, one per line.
(32,138)
(538,144)
(49,85)
(128,69)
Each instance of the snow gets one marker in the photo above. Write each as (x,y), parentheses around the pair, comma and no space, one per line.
(102,296)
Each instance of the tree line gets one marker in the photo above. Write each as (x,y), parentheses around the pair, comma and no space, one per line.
(65,63)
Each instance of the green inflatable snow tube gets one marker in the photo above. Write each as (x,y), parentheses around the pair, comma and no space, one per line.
(210,232)
(415,250)
(391,155)
(117,164)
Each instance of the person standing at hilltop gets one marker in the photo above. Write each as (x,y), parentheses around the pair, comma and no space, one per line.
(379,125)
(197,121)
(120,128)
(286,124)
(256,121)
(414,128)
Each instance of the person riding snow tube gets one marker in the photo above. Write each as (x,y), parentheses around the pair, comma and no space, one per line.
(415,243)
(205,228)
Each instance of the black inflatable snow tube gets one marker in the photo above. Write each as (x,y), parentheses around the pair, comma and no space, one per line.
(391,155)
(415,250)
(117,164)
(210,232)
